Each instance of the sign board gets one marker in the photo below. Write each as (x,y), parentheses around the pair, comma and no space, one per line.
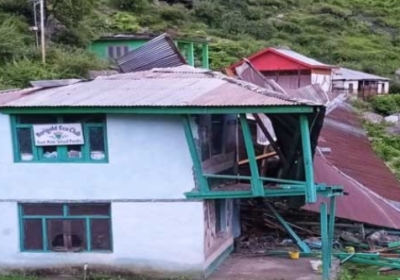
(58,134)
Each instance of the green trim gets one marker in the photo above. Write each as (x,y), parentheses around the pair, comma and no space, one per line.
(218,261)
(294,109)
(190,57)
(302,245)
(325,241)
(256,184)
(285,190)
(311,194)
(62,152)
(203,183)
(66,216)
(331,225)
(266,179)
(21,227)
(205,57)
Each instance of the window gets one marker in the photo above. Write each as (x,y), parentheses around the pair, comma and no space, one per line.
(220,216)
(65,227)
(117,51)
(64,138)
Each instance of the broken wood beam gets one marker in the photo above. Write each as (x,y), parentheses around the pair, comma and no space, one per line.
(269,137)
(264,156)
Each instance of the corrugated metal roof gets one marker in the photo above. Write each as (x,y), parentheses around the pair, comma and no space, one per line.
(249,73)
(312,92)
(361,204)
(288,54)
(159,52)
(182,86)
(352,153)
(354,75)
(301,58)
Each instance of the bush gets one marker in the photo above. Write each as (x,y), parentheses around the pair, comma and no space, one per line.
(174,14)
(209,12)
(12,46)
(386,104)
(125,22)
(132,5)
(61,64)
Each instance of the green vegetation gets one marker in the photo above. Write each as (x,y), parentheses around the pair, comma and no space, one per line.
(363,272)
(386,145)
(362,34)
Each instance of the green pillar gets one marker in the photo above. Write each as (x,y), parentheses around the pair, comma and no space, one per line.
(325,242)
(311,192)
(191,54)
(202,181)
(302,245)
(331,229)
(256,183)
(205,58)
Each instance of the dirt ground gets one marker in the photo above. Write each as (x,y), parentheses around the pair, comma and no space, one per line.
(239,267)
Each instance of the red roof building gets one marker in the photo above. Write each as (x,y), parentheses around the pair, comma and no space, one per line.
(289,69)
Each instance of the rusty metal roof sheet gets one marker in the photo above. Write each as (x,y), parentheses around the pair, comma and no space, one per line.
(361,204)
(159,52)
(352,153)
(181,86)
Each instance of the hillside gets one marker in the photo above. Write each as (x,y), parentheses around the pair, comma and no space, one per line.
(362,34)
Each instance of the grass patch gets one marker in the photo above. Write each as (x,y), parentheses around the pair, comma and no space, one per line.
(363,272)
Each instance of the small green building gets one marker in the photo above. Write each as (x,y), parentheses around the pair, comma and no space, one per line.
(113,46)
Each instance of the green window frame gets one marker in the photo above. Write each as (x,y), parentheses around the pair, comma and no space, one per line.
(94,133)
(61,227)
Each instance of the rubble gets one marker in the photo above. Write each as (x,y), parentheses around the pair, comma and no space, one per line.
(262,232)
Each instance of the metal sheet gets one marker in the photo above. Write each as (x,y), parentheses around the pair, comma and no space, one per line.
(301,58)
(181,86)
(159,52)
(354,75)
(361,204)
(352,153)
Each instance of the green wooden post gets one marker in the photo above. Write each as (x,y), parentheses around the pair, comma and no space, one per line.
(325,242)
(302,245)
(311,193)
(256,184)
(331,230)
(205,57)
(203,183)
(191,54)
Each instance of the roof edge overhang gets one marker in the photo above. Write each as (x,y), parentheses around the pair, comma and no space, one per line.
(176,110)
(359,80)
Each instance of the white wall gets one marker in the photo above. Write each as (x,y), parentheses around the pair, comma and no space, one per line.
(323,79)
(385,87)
(148,159)
(355,85)
(149,237)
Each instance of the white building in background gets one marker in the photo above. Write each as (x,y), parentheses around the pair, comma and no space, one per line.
(360,83)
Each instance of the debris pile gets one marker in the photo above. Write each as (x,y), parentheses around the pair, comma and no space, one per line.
(262,232)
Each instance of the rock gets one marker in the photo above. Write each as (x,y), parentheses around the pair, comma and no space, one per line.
(395,118)
(372,117)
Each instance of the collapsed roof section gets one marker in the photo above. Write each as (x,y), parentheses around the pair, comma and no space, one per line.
(160,52)
(350,162)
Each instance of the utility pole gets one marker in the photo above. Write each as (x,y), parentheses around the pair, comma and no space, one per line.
(42,31)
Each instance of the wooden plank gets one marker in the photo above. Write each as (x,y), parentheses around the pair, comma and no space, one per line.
(263,156)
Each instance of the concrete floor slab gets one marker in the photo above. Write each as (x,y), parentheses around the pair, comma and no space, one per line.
(241,267)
